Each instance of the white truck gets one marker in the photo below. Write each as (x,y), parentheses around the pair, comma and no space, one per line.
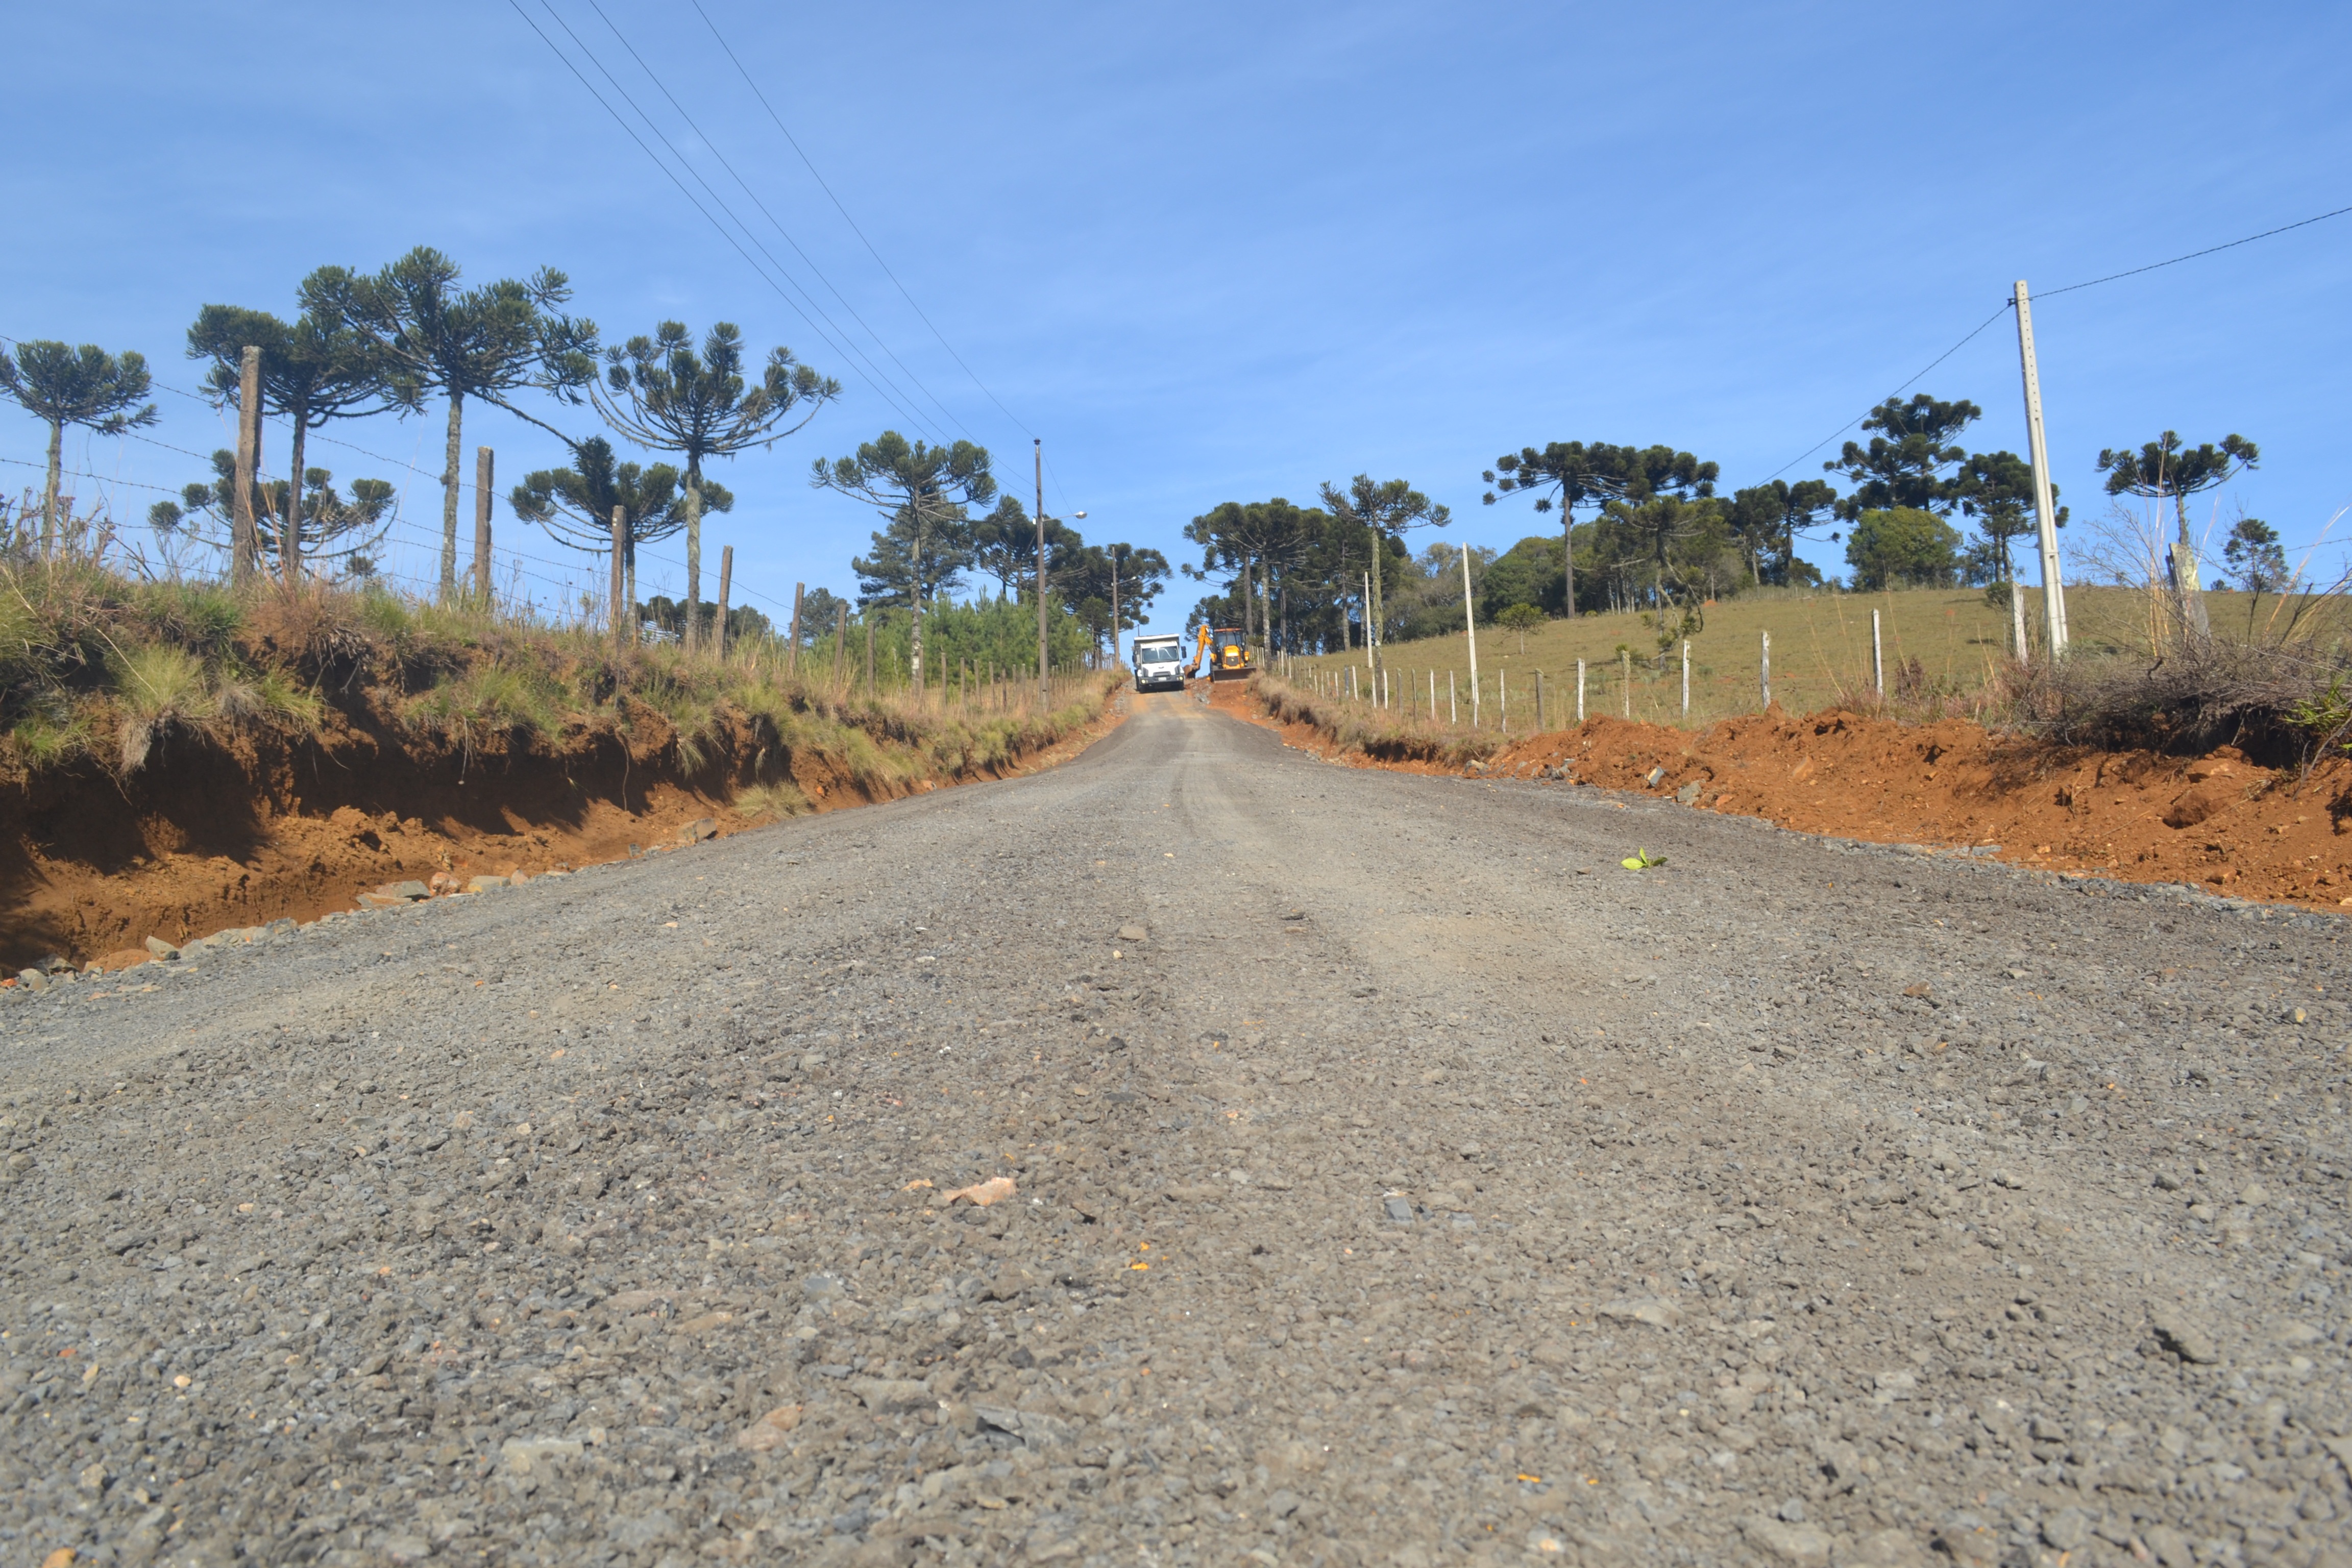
(1159,664)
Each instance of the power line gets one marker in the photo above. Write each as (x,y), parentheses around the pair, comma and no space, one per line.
(844,344)
(851,222)
(880,386)
(2007,305)
(713,146)
(2193,255)
(1898,392)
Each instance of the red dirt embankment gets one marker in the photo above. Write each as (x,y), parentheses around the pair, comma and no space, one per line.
(2220,820)
(243,828)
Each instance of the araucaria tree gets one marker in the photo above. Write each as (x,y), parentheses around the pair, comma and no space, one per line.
(1566,474)
(336,531)
(1996,489)
(1768,519)
(575,505)
(2165,468)
(313,370)
(1904,464)
(661,393)
(86,386)
(917,488)
(490,342)
(1383,511)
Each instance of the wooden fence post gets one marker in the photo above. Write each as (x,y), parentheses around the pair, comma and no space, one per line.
(1540,702)
(1580,691)
(792,652)
(1625,675)
(726,581)
(483,467)
(869,658)
(622,616)
(245,547)
(1764,670)
(1686,678)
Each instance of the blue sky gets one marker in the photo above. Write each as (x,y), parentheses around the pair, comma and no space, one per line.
(1218,252)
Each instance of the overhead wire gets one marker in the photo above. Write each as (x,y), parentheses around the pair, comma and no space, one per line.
(2010,304)
(843,344)
(837,206)
(880,385)
(712,146)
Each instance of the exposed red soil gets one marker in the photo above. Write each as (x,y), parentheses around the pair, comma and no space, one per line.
(2220,820)
(218,834)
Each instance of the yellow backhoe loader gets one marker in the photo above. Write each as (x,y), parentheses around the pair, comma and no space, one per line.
(1223,656)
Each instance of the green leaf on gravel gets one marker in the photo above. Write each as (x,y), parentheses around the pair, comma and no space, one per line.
(1642,860)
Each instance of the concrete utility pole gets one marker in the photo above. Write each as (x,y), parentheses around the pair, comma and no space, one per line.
(482,470)
(1470,625)
(1045,691)
(1685,678)
(620,617)
(245,547)
(2045,510)
(1878,653)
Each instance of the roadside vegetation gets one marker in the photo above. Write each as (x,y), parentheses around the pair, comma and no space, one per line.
(100,671)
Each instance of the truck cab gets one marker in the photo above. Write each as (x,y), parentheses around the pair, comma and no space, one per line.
(1159,664)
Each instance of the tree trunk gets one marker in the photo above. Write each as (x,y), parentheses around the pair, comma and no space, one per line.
(915,601)
(289,538)
(56,478)
(2189,574)
(693,630)
(1566,556)
(449,486)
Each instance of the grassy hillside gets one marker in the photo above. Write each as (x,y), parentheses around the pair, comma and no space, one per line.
(1820,653)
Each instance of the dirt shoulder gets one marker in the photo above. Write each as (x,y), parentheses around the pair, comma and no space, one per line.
(228,835)
(2219,821)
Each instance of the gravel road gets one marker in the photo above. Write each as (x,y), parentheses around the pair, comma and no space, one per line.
(1406,1183)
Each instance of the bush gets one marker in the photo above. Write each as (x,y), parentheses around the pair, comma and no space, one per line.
(1902,547)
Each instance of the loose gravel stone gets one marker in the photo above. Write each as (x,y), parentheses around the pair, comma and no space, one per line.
(1406,1198)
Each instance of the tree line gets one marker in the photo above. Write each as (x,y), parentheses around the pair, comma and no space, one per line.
(411,335)
(1647,528)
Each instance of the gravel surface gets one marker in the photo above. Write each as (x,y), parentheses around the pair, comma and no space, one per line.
(1405,1182)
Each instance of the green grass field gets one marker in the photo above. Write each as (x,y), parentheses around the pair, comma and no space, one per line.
(1821,654)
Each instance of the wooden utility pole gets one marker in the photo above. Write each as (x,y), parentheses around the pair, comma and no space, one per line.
(482,470)
(727,581)
(1045,693)
(792,651)
(245,547)
(2045,510)
(841,645)
(1114,606)
(622,617)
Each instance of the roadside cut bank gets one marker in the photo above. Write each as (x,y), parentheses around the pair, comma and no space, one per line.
(172,786)
(2219,819)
